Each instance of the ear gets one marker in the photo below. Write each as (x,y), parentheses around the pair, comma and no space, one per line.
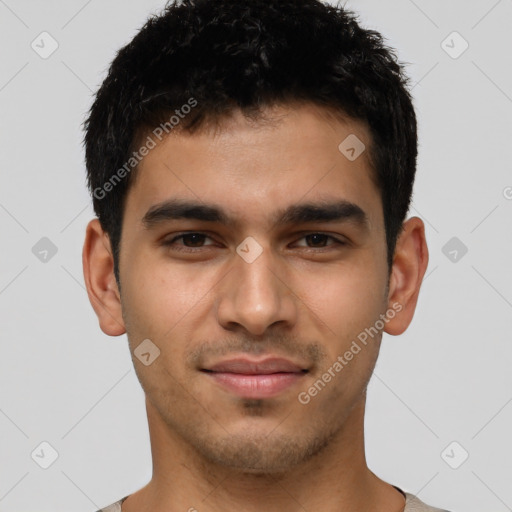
(98,265)
(409,265)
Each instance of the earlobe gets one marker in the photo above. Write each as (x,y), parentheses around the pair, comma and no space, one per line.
(98,267)
(409,265)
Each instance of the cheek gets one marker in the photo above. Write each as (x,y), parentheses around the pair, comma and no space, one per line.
(160,303)
(346,304)
(160,298)
(347,298)
(155,286)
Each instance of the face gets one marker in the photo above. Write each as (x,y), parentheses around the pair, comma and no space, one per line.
(256,242)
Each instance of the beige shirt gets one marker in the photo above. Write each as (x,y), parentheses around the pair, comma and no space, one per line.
(412,504)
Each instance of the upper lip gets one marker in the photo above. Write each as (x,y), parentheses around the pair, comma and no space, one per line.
(256,367)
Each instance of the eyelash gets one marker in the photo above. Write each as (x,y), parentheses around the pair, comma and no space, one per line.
(184,248)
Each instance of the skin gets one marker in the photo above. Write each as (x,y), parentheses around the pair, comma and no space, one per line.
(303,299)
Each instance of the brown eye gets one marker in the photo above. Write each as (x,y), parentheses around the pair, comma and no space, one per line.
(320,240)
(192,240)
(317,239)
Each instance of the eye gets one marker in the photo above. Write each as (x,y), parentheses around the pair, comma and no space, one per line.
(191,241)
(319,240)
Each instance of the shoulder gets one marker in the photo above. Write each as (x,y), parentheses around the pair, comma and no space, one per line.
(115,507)
(414,504)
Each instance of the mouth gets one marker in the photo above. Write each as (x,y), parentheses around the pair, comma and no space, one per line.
(256,379)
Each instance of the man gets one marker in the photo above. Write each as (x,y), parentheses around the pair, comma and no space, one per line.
(251,164)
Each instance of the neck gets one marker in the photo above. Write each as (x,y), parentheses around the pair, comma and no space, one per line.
(335,479)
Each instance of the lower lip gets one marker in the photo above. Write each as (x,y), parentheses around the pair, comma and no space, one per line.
(256,386)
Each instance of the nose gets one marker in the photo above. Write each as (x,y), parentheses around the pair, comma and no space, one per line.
(257,295)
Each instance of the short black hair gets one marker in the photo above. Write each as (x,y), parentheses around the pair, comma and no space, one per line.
(207,58)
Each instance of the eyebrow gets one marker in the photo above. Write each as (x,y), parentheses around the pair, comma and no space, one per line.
(310,212)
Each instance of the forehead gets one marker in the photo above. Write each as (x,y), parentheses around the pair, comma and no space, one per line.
(257,168)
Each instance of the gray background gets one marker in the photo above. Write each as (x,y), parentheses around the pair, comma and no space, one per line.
(447,379)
